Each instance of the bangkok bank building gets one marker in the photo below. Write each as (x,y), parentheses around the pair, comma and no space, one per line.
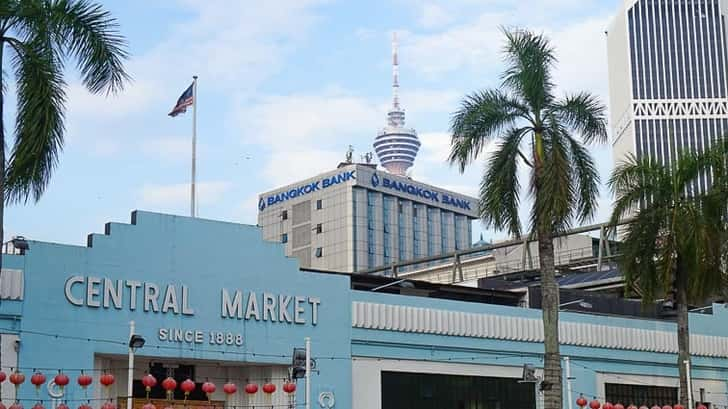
(221,318)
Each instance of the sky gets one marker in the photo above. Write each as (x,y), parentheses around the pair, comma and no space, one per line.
(284,88)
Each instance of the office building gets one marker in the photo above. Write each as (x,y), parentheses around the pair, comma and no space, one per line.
(356,218)
(668,82)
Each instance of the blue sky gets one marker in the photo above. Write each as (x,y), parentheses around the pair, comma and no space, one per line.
(284,88)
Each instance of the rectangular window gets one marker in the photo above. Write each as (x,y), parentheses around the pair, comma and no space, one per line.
(319,251)
(400,207)
(640,395)
(319,204)
(284,215)
(319,228)
(284,238)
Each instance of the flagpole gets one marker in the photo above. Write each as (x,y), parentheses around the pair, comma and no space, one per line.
(194,147)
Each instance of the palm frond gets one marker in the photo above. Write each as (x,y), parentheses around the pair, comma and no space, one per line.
(634,182)
(553,191)
(90,34)
(500,187)
(585,179)
(585,114)
(529,59)
(39,120)
(481,118)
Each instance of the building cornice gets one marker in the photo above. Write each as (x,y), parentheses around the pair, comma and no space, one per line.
(401,318)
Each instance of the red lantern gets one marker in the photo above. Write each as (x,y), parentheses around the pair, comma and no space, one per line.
(149,381)
(229,388)
(17,378)
(38,406)
(85,406)
(37,379)
(187,386)
(208,388)
(644,407)
(701,406)
(2,406)
(679,406)
(16,405)
(631,407)
(62,406)
(61,380)
(607,405)
(289,387)
(581,402)
(169,385)
(269,388)
(107,379)
(667,407)
(149,405)
(2,376)
(251,388)
(84,380)
(618,406)
(109,405)
(595,404)
(656,407)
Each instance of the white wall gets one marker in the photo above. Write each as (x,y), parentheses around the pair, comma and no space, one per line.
(8,359)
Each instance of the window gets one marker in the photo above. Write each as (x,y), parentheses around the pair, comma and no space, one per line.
(319,204)
(284,215)
(640,394)
(400,207)
(414,211)
(284,238)
(319,251)
(319,228)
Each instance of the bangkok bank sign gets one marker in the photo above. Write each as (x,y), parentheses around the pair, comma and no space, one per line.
(419,191)
(306,188)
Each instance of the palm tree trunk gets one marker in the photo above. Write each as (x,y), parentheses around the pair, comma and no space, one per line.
(683,333)
(550,311)
(549,294)
(2,157)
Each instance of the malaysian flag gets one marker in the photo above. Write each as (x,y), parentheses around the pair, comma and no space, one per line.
(186,99)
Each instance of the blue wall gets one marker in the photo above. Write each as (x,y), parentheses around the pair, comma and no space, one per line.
(585,362)
(204,255)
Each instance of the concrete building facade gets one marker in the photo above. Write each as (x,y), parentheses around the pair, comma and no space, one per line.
(357,218)
(668,82)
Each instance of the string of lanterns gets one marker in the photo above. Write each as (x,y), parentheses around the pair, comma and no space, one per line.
(169,384)
(595,404)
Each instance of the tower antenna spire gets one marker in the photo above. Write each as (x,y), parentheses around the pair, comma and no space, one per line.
(395,73)
(395,145)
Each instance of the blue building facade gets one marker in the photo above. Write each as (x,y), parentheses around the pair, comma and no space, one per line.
(216,303)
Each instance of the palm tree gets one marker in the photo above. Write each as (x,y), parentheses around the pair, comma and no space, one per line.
(535,129)
(672,243)
(37,37)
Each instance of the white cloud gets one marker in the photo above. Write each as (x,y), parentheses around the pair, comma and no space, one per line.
(175,195)
(287,166)
(168,148)
(433,15)
(282,122)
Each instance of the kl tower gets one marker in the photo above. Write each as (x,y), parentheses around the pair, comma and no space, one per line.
(395,145)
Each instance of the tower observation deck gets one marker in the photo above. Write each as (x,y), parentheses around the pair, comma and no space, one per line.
(395,145)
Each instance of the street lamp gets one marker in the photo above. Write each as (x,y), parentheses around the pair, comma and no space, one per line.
(135,342)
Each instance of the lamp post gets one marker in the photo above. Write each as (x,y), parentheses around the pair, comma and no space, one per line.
(135,341)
